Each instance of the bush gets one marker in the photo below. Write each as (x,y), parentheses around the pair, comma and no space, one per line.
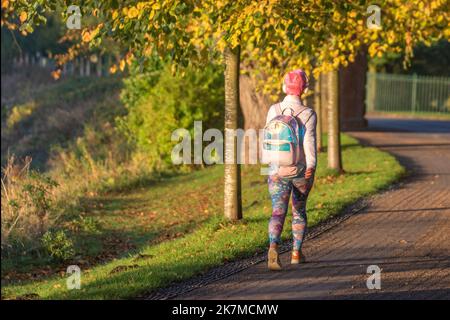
(18,113)
(27,203)
(86,224)
(159,102)
(58,245)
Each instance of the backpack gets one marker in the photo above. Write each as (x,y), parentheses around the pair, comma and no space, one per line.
(283,143)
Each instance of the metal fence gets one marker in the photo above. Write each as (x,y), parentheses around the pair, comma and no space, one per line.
(84,66)
(407,93)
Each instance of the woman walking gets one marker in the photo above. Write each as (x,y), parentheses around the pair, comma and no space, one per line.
(290,146)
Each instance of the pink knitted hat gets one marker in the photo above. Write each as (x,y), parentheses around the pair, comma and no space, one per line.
(295,82)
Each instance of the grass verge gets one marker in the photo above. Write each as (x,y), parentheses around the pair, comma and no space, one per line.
(410,115)
(215,240)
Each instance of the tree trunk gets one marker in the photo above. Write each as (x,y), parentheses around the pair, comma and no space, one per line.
(232,176)
(334,140)
(254,104)
(318,109)
(108,65)
(371,88)
(99,66)
(88,67)
(81,65)
(352,93)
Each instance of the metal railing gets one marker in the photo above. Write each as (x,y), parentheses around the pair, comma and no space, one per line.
(407,93)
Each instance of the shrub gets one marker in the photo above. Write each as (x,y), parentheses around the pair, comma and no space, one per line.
(18,113)
(58,245)
(86,224)
(159,102)
(27,204)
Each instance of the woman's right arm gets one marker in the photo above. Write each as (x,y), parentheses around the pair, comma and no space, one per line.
(270,114)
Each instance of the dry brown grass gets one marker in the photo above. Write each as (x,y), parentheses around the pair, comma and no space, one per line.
(26,203)
(32,203)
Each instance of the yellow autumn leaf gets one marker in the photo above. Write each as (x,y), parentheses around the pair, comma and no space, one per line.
(86,36)
(129,59)
(373,48)
(5,4)
(56,74)
(23,16)
(122,65)
(132,13)
(113,69)
(447,33)
(336,62)
(115,14)
(141,5)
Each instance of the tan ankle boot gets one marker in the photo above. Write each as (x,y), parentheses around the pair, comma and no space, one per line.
(297,257)
(273,261)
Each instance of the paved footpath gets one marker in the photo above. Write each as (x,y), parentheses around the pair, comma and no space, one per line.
(405,231)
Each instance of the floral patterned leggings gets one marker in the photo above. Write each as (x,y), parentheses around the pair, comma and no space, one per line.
(280,190)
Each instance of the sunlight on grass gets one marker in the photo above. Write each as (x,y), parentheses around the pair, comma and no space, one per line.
(412,115)
(216,240)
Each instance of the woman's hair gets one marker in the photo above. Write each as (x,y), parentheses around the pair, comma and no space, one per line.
(295,82)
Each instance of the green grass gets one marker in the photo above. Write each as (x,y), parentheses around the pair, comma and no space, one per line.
(112,224)
(54,114)
(210,240)
(416,115)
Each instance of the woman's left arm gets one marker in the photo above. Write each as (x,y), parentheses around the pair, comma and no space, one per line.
(309,145)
